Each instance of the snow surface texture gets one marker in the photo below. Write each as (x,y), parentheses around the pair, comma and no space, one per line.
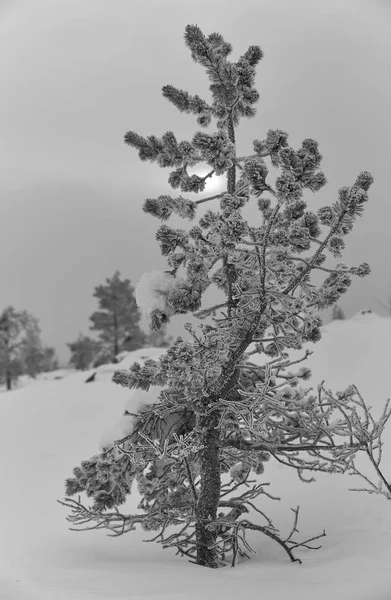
(25,380)
(48,427)
(152,291)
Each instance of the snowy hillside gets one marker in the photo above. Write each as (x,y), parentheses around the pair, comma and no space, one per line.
(48,427)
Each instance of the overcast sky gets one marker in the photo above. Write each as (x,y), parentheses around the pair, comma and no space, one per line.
(77,74)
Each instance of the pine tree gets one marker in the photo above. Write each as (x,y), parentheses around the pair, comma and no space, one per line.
(84,352)
(217,412)
(117,321)
(337,313)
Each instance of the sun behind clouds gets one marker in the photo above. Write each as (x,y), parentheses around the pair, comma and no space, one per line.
(215,184)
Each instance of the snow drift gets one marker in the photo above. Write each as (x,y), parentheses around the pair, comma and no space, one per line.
(48,427)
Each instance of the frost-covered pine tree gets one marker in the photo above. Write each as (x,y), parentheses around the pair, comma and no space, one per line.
(212,410)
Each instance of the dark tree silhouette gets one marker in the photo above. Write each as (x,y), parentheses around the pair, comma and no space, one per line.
(117,320)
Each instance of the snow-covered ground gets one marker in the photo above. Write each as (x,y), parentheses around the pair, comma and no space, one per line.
(25,380)
(48,427)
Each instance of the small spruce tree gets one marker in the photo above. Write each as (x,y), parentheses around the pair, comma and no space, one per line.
(218,415)
(118,317)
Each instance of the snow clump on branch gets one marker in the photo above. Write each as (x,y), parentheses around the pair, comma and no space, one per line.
(139,401)
(161,294)
(152,291)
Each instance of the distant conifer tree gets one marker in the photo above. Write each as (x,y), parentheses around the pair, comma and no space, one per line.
(118,317)
(337,313)
(386,304)
(216,409)
(49,359)
(84,352)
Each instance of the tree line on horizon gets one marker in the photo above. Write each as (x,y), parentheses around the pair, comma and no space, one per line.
(117,324)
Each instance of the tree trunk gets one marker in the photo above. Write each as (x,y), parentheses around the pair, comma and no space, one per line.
(231,175)
(116,344)
(209,495)
(8,380)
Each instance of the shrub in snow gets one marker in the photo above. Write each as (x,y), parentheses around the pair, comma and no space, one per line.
(216,415)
